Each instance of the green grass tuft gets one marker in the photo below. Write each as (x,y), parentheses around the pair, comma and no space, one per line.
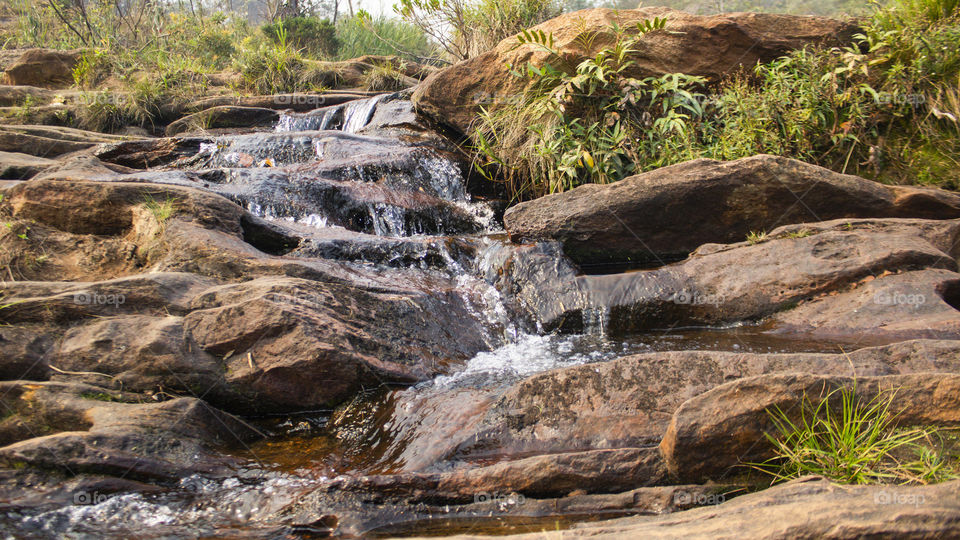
(855,442)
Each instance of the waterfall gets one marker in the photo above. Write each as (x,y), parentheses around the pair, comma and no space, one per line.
(358,113)
(349,117)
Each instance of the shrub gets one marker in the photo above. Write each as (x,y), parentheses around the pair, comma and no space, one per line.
(270,68)
(384,77)
(886,107)
(582,122)
(317,37)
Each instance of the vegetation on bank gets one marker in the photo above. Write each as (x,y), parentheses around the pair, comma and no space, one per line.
(143,63)
(886,107)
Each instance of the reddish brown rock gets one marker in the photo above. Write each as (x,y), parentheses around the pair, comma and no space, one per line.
(671,211)
(714,434)
(43,67)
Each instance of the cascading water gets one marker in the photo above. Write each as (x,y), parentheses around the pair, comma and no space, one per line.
(361,214)
(349,117)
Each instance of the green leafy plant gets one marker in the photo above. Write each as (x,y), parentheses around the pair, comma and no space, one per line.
(364,34)
(467,28)
(583,118)
(385,77)
(756,237)
(801,233)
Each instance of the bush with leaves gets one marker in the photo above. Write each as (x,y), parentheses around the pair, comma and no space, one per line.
(364,34)
(885,107)
(582,120)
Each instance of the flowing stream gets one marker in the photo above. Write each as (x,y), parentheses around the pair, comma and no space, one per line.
(370,201)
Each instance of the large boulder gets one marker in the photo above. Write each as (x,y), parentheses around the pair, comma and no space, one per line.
(715,434)
(203,302)
(43,67)
(80,428)
(623,403)
(49,141)
(224,116)
(748,281)
(711,47)
(809,507)
(17,166)
(291,344)
(669,212)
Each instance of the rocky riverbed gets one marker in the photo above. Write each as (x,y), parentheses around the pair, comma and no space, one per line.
(318,322)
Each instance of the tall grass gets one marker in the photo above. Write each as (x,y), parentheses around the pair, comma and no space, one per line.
(854,442)
(362,35)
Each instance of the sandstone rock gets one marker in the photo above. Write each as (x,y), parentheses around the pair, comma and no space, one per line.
(308,333)
(552,475)
(43,67)
(142,353)
(910,304)
(671,211)
(711,47)
(49,141)
(809,507)
(53,302)
(14,96)
(223,117)
(294,344)
(24,350)
(300,102)
(15,166)
(722,429)
(749,281)
(86,429)
(422,508)
(146,153)
(626,402)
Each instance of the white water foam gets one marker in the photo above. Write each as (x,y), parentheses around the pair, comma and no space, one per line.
(528,355)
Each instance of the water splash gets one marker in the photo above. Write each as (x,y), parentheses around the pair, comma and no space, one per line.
(525,356)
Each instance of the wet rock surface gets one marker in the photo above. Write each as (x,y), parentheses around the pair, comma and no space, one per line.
(807,507)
